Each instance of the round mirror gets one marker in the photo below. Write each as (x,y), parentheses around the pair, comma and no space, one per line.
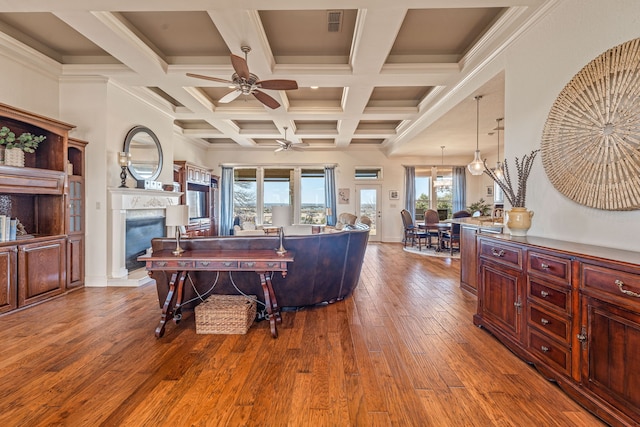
(146,153)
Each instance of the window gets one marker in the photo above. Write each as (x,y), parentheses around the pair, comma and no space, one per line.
(368,173)
(277,185)
(257,190)
(312,201)
(245,194)
(444,192)
(423,193)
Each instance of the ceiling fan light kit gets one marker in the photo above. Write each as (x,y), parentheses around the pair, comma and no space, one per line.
(246,83)
(476,167)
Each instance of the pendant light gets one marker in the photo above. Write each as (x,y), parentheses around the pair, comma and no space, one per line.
(440,180)
(476,167)
(498,170)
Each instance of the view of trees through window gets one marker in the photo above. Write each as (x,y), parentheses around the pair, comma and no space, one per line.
(443,193)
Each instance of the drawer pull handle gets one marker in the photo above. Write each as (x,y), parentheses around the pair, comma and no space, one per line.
(544,348)
(499,253)
(250,264)
(272,264)
(620,284)
(544,321)
(161,263)
(544,294)
(183,263)
(204,263)
(544,266)
(227,264)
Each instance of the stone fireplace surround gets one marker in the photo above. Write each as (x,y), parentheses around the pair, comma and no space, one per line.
(122,200)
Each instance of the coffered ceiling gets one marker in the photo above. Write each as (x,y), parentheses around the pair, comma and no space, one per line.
(389,74)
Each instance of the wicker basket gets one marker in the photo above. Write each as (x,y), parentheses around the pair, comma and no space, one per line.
(225,314)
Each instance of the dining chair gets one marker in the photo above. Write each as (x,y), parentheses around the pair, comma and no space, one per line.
(431,217)
(452,236)
(411,232)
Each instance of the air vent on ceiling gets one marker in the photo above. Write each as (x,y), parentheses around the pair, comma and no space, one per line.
(334,21)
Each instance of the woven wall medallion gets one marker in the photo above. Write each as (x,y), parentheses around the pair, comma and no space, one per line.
(591,139)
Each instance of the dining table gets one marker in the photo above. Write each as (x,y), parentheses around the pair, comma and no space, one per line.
(436,227)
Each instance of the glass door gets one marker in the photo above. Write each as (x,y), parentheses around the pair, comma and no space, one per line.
(368,204)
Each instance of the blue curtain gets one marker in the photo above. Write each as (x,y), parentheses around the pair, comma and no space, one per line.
(410,190)
(459,189)
(330,193)
(226,201)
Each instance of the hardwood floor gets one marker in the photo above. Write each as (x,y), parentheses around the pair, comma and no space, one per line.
(401,351)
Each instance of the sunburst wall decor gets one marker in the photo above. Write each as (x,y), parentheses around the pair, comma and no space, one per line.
(591,139)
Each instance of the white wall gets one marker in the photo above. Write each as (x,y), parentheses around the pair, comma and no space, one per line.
(538,67)
(104,113)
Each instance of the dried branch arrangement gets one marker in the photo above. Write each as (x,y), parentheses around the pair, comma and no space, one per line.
(516,198)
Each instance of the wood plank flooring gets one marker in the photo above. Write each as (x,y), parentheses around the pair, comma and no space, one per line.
(401,351)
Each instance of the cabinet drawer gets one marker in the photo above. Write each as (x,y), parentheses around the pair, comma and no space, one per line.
(217,265)
(550,266)
(618,283)
(548,295)
(263,265)
(505,254)
(172,265)
(549,324)
(550,352)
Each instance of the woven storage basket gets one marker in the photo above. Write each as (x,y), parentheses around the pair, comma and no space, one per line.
(225,314)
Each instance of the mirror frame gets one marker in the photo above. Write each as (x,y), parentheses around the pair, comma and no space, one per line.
(127,145)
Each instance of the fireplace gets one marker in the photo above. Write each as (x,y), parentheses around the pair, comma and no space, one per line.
(137,215)
(141,227)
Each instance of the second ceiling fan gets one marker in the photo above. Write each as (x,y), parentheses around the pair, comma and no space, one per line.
(247,83)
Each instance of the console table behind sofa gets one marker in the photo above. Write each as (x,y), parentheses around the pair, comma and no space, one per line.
(326,269)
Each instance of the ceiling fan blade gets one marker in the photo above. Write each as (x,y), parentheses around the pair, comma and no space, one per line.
(240,66)
(266,99)
(278,84)
(283,143)
(230,96)
(279,149)
(213,79)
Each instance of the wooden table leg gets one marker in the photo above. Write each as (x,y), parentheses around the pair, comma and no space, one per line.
(167,309)
(177,311)
(273,311)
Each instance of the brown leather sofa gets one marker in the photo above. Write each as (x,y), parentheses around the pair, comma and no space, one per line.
(326,267)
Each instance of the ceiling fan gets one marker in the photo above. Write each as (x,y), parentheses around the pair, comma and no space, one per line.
(286,145)
(247,83)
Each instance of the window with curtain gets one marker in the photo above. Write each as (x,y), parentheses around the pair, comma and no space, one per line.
(257,190)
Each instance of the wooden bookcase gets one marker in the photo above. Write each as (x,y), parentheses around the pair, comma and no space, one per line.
(49,259)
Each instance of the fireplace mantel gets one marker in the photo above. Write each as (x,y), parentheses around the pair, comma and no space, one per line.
(122,200)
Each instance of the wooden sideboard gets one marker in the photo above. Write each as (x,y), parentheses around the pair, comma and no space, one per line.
(573,311)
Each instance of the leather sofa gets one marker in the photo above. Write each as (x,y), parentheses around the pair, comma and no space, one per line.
(326,267)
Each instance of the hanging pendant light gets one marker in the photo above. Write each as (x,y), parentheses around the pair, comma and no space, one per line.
(498,171)
(476,167)
(440,180)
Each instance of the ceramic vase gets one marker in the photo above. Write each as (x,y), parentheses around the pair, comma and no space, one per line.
(519,221)
(14,157)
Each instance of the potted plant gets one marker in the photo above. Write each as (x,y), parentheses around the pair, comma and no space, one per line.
(518,218)
(480,206)
(15,147)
